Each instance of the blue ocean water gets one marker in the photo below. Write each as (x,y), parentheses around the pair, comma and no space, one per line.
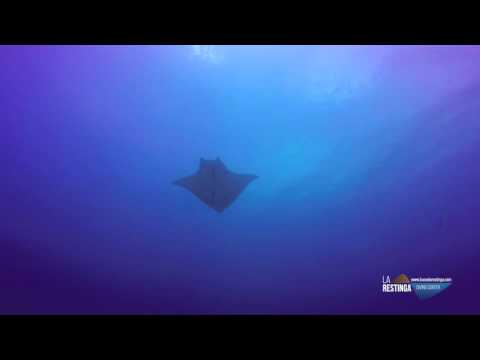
(366,157)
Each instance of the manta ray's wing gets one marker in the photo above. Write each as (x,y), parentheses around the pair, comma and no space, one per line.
(197,185)
(229,188)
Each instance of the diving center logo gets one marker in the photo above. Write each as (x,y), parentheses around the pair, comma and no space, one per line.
(424,288)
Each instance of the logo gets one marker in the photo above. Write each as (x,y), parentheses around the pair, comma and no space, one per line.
(424,288)
(400,284)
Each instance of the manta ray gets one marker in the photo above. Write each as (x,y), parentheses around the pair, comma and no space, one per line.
(215,185)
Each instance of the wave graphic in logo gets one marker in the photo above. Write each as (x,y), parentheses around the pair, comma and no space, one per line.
(427,288)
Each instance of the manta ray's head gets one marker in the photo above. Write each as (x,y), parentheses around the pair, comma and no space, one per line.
(209,166)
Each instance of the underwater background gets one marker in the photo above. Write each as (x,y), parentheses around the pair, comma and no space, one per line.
(367,158)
